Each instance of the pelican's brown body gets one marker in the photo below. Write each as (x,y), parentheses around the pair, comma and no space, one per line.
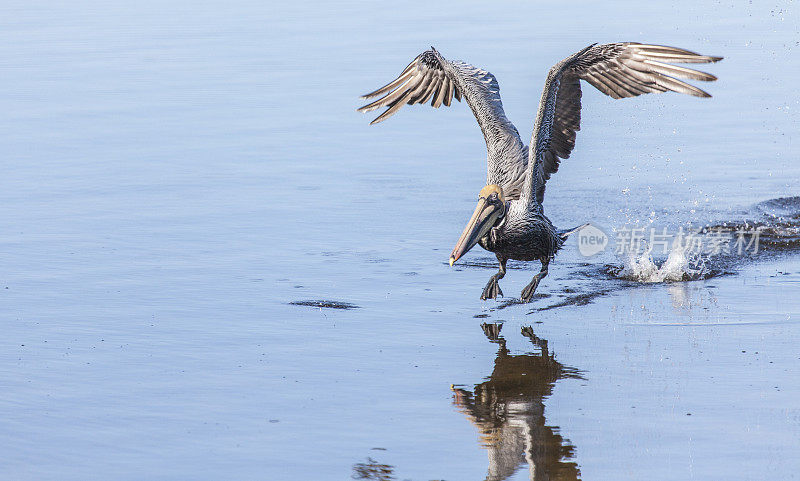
(533,239)
(509,219)
(522,234)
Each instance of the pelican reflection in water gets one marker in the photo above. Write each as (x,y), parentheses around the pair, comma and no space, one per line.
(508,410)
(509,219)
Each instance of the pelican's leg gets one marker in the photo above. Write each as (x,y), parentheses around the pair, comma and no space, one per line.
(527,293)
(492,289)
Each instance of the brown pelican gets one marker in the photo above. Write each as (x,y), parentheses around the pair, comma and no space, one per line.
(509,219)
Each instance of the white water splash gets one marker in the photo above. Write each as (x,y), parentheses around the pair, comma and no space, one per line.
(677,267)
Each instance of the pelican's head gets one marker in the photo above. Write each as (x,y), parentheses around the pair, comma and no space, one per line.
(489,212)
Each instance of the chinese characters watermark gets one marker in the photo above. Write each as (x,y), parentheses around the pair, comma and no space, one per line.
(652,240)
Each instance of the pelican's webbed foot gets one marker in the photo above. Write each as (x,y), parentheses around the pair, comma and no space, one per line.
(492,289)
(530,289)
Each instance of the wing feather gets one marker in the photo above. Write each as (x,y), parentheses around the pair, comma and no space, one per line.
(394,107)
(390,86)
(441,94)
(619,70)
(448,96)
(423,86)
(432,77)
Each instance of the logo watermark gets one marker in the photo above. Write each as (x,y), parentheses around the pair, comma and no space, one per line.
(591,241)
(628,241)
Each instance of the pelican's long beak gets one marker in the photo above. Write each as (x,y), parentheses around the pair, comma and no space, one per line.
(483,219)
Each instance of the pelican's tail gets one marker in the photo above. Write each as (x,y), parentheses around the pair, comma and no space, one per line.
(566,233)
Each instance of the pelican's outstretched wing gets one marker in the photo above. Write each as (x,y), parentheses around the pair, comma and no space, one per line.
(616,69)
(432,77)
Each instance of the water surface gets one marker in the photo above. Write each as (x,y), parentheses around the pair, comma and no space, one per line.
(213,268)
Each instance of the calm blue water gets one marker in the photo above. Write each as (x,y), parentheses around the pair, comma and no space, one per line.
(175,176)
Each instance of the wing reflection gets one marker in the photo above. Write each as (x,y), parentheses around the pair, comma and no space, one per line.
(508,410)
(373,471)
